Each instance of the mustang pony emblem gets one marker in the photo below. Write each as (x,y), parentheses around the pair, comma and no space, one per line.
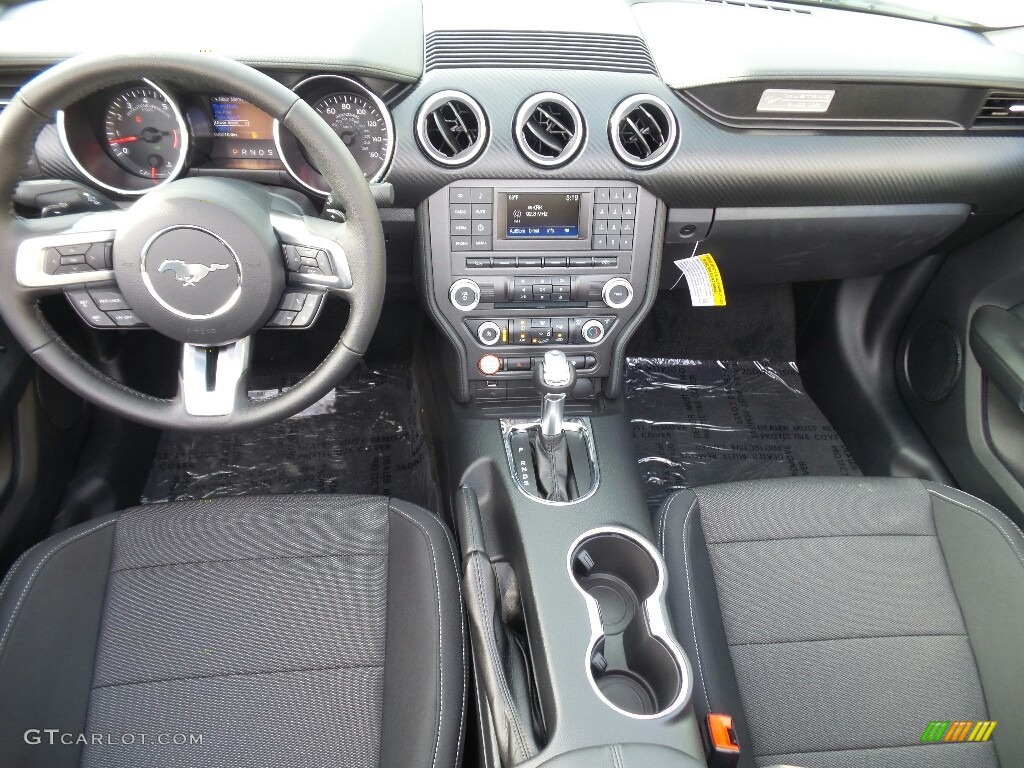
(189,274)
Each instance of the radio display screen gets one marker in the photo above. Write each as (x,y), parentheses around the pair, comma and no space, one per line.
(542,215)
(242,133)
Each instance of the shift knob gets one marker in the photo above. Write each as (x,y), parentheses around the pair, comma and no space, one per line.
(555,375)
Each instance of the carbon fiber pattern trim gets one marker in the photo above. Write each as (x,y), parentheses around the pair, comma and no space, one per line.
(712,165)
(538,49)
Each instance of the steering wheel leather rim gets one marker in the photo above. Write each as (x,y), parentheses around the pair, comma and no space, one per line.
(33,107)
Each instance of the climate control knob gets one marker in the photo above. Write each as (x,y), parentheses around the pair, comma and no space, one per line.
(617,293)
(592,331)
(488,333)
(464,295)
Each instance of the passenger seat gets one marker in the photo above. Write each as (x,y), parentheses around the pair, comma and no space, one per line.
(837,619)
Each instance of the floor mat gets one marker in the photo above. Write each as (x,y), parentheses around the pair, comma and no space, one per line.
(365,437)
(704,422)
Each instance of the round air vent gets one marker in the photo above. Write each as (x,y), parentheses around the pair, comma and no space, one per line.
(549,129)
(642,130)
(451,128)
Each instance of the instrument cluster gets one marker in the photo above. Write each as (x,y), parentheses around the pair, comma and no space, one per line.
(135,137)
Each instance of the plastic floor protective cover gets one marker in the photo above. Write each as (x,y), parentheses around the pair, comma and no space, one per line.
(704,422)
(365,437)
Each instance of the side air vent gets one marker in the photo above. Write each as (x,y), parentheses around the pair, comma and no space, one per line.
(549,129)
(1002,109)
(536,49)
(10,84)
(760,6)
(642,130)
(451,128)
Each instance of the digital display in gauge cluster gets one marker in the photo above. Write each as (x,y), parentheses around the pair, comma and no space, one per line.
(242,132)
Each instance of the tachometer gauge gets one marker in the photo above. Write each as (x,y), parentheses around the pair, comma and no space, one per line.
(144,133)
(361,125)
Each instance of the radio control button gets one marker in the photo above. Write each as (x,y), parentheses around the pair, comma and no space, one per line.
(489,365)
(524,293)
(601,211)
(459,195)
(462,227)
(581,261)
(461,244)
(600,226)
(613,242)
(626,227)
(481,228)
(459,211)
(531,261)
(481,243)
(556,261)
(542,290)
(615,195)
(464,295)
(626,243)
(601,195)
(503,261)
(474,262)
(606,261)
(628,211)
(481,195)
(615,211)
(629,195)
(563,280)
(617,293)
(482,210)
(592,331)
(614,226)
(488,333)
(600,242)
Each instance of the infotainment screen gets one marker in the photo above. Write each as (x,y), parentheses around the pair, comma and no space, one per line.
(241,131)
(542,215)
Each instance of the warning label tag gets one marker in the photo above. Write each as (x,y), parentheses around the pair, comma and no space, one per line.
(703,279)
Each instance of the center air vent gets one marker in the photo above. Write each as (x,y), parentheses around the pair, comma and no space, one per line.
(451,128)
(1002,109)
(549,129)
(642,130)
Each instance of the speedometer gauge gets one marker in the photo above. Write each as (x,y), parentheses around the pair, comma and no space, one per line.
(361,125)
(143,133)
(356,114)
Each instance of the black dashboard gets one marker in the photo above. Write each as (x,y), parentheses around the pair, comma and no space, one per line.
(820,158)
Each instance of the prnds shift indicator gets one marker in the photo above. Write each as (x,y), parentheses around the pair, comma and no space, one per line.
(542,215)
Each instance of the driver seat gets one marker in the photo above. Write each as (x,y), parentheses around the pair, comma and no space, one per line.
(251,631)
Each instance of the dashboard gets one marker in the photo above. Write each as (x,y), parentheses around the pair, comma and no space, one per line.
(544,177)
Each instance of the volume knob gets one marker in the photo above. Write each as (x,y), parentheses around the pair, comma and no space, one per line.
(617,293)
(464,295)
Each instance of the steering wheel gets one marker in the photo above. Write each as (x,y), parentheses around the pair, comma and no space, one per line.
(203,261)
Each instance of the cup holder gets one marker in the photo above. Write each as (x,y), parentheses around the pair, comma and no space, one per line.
(633,661)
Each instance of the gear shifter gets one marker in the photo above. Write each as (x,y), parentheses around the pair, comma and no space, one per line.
(554,377)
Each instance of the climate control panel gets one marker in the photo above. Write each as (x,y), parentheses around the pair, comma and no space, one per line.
(516,266)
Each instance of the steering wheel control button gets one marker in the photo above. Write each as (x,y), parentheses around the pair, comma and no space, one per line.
(592,331)
(87,309)
(100,256)
(292,301)
(617,293)
(282,319)
(305,317)
(488,333)
(125,318)
(464,295)
(489,365)
(108,299)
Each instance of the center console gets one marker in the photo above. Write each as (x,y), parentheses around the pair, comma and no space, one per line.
(517,268)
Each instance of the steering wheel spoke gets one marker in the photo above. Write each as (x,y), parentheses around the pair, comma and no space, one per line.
(314,251)
(56,254)
(213,379)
